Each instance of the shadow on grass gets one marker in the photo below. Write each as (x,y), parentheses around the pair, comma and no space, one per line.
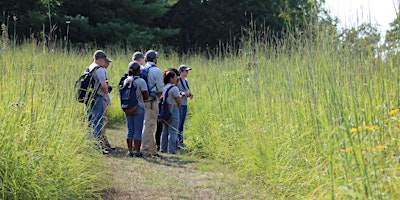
(171,160)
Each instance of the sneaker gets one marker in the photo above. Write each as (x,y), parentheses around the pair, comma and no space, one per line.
(139,154)
(130,154)
(105,152)
(180,146)
(110,148)
(156,155)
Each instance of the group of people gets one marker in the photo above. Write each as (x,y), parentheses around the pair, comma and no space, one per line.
(142,123)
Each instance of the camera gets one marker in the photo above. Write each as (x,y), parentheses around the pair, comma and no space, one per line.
(109,89)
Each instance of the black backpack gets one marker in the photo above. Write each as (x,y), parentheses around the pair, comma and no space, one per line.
(84,86)
(164,114)
(127,95)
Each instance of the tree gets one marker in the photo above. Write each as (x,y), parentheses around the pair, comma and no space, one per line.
(392,38)
(206,23)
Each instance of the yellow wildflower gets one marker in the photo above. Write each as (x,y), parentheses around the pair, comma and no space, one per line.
(360,128)
(346,150)
(371,128)
(379,147)
(393,111)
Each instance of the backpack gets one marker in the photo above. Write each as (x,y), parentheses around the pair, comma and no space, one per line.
(144,74)
(85,86)
(127,95)
(164,114)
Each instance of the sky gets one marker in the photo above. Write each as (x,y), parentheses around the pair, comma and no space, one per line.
(352,13)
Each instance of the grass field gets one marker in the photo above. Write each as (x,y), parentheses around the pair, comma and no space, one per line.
(300,120)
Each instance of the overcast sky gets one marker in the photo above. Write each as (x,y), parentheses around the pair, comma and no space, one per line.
(352,13)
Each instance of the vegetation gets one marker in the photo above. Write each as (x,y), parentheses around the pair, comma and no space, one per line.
(304,115)
(183,25)
(45,148)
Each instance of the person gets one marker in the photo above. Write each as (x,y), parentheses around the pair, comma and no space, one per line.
(155,85)
(98,105)
(183,85)
(139,57)
(159,124)
(134,120)
(171,95)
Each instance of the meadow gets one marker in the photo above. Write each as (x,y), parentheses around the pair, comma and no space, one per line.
(301,119)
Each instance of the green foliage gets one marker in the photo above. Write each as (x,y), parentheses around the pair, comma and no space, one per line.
(46,151)
(392,38)
(229,19)
(305,118)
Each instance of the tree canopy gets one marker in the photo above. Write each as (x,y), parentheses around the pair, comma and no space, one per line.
(181,24)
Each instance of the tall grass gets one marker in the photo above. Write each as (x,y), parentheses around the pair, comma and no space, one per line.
(306,118)
(46,151)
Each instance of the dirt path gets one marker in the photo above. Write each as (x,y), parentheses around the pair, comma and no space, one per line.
(169,177)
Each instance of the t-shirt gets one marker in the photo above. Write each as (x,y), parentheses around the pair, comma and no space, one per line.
(99,75)
(173,92)
(140,86)
(155,78)
(183,88)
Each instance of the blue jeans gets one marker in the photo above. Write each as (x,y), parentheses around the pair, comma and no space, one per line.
(96,117)
(134,123)
(169,133)
(182,117)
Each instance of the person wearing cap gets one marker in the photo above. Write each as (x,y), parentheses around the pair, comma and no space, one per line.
(156,85)
(139,57)
(159,123)
(98,106)
(134,120)
(184,90)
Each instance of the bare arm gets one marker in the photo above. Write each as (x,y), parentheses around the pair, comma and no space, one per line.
(104,86)
(145,95)
(178,101)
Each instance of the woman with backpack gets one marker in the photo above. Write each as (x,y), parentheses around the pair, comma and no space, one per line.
(135,115)
(173,101)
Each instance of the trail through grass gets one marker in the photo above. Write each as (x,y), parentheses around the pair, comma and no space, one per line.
(179,176)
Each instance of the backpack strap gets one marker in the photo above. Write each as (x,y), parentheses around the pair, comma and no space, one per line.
(148,71)
(185,87)
(166,93)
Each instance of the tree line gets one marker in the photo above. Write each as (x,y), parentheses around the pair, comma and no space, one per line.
(181,24)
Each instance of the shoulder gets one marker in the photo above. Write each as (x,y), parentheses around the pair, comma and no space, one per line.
(175,91)
(141,82)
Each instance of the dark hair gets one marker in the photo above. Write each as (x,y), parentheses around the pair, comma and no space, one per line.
(174,70)
(132,72)
(168,75)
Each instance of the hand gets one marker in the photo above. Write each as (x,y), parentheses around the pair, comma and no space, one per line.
(190,95)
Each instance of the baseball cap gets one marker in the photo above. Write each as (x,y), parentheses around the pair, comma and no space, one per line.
(184,67)
(151,54)
(137,55)
(101,54)
(133,65)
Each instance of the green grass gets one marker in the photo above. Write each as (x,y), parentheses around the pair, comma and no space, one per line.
(283,116)
(303,119)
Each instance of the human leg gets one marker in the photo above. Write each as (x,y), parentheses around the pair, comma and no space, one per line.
(150,122)
(138,128)
(97,118)
(172,130)
(158,134)
(182,118)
